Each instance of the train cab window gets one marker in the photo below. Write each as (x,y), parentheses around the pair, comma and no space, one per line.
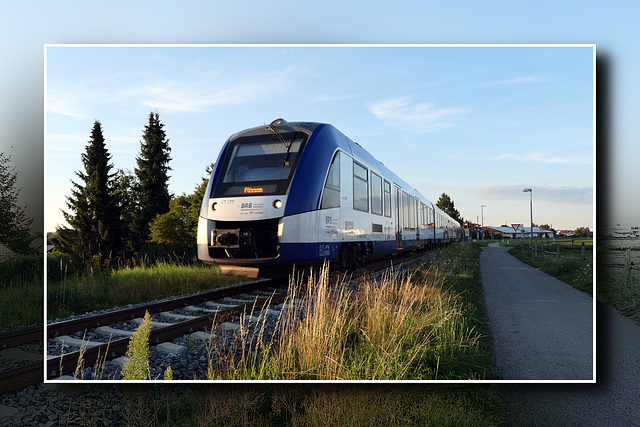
(376,194)
(360,188)
(260,164)
(331,194)
(387,199)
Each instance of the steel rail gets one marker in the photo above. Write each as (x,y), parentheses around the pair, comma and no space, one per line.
(68,363)
(69,326)
(15,379)
(21,336)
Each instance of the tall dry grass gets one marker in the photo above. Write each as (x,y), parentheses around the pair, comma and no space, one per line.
(393,328)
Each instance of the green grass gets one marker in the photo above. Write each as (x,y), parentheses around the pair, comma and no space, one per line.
(426,325)
(21,291)
(449,297)
(76,295)
(616,285)
(569,269)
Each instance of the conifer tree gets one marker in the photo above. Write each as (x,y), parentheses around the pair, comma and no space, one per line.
(175,231)
(446,204)
(153,180)
(94,217)
(15,226)
(125,189)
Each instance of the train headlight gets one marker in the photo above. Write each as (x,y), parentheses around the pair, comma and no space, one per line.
(214,206)
(277,204)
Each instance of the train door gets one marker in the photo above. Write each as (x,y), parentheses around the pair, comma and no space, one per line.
(398,217)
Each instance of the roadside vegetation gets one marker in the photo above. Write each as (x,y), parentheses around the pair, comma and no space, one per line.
(427,324)
(21,285)
(69,294)
(618,283)
(21,291)
(424,325)
(567,268)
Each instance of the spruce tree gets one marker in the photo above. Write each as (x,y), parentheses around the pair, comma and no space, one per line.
(176,231)
(15,226)
(446,204)
(125,188)
(153,180)
(94,217)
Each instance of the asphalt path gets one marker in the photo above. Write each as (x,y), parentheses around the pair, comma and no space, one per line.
(613,401)
(542,328)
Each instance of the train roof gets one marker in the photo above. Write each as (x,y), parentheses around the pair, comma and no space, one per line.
(349,146)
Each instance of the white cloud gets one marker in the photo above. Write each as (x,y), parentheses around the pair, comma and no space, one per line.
(524,79)
(559,194)
(545,158)
(185,96)
(419,116)
(64,106)
(195,94)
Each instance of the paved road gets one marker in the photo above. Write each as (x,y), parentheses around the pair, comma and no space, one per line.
(542,328)
(612,401)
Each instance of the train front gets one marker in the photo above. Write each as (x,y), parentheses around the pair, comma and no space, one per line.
(241,218)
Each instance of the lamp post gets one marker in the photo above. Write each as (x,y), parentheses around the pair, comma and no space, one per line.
(482,223)
(530,191)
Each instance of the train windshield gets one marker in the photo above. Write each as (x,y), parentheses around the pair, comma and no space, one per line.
(260,164)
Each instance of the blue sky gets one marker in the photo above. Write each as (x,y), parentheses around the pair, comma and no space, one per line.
(27,27)
(476,122)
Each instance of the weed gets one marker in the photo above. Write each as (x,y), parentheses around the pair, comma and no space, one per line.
(396,328)
(136,366)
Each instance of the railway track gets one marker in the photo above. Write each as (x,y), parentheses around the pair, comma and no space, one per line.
(27,374)
(227,307)
(220,309)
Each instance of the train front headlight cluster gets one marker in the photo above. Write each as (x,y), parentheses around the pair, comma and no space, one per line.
(277,204)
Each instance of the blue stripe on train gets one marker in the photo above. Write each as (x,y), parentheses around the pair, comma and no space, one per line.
(308,251)
(312,252)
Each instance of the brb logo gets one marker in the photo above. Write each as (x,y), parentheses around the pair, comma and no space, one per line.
(324,250)
(246,205)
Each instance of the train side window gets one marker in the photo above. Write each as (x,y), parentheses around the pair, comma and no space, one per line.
(331,194)
(387,199)
(376,194)
(405,210)
(412,212)
(360,188)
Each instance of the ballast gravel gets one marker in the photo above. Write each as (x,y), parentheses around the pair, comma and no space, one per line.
(113,404)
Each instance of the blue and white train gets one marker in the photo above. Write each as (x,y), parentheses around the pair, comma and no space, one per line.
(302,193)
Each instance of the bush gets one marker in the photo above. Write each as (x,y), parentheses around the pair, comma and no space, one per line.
(20,269)
(59,266)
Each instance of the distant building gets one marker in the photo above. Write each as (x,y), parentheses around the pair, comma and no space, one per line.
(519,232)
(619,231)
(5,251)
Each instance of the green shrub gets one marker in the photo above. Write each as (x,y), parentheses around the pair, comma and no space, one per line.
(59,266)
(136,366)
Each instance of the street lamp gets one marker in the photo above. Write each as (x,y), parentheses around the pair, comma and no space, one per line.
(482,223)
(530,191)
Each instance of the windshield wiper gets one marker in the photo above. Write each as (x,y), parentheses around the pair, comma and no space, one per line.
(272,128)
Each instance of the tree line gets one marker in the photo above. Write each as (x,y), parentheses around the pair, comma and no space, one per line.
(124,216)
